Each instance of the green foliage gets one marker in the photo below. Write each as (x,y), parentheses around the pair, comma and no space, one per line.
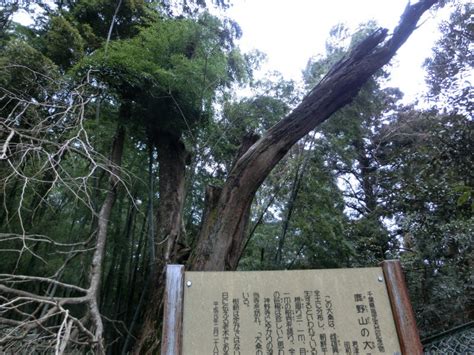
(26,71)
(94,17)
(427,188)
(315,233)
(322,225)
(6,13)
(62,43)
(169,73)
(25,75)
(349,143)
(319,221)
(448,70)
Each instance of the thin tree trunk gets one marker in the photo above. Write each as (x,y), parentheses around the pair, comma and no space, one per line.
(108,278)
(103,224)
(120,285)
(123,274)
(151,222)
(149,268)
(134,271)
(295,187)
(7,202)
(258,222)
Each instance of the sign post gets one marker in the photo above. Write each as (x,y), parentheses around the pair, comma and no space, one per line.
(340,311)
(403,314)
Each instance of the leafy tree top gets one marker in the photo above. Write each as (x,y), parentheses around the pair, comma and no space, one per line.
(170,72)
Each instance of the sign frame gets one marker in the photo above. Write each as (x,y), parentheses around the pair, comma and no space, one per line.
(404,317)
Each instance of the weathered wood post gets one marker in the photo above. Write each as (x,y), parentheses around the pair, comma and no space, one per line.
(403,314)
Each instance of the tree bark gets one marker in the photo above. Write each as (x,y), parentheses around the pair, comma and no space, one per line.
(103,223)
(217,250)
(172,157)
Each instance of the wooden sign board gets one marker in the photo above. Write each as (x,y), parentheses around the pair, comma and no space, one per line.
(337,311)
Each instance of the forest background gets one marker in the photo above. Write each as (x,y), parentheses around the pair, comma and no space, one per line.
(124,130)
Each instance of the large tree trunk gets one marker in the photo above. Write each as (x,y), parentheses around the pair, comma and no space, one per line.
(172,157)
(217,250)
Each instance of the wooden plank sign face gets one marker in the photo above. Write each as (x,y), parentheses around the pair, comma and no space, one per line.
(336,311)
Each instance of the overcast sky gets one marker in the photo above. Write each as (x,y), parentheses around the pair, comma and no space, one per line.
(290,32)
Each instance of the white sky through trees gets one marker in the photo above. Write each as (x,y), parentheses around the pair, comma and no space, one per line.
(291,32)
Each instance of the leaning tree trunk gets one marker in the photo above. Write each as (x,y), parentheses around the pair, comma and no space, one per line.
(219,249)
